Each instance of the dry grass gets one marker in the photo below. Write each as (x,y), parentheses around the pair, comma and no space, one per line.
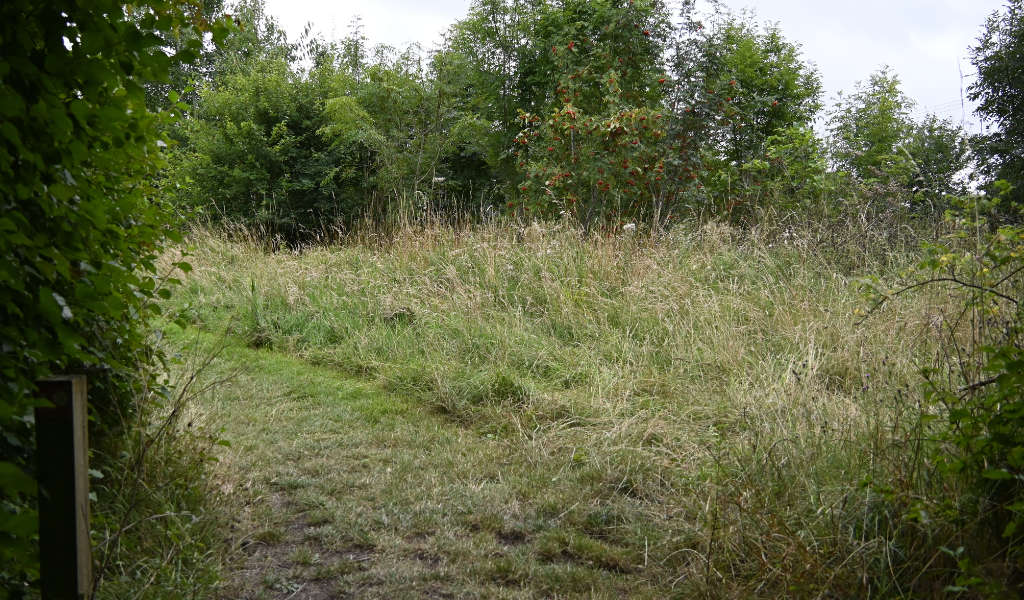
(693,417)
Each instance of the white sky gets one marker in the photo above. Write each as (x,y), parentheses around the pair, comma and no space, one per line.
(922,40)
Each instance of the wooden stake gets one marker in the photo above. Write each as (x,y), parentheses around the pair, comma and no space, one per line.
(62,461)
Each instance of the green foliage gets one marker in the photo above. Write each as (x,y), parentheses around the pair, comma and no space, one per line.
(873,137)
(794,174)
(406,112)
(975,394)
(252,148)
(769,88)
(80,229)
(606,149)
(775,87)
(254,151)
(183,77)
(868,128)
(496,43)
(296,136)
(609,168)
(536,57)
(970,424)
(293,137)
(940,157)
(998,58)
(654,150)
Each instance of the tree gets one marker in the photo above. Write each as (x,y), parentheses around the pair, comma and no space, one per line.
(406,111)
(498,44)
(941,156)
(868,129)
(80,225)
(524,57)
(184,77)
(603,148)
(767,88)
(999,90)
(775,88)
(253,150)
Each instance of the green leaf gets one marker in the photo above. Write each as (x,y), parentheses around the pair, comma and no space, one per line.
(13,479)
(997,474)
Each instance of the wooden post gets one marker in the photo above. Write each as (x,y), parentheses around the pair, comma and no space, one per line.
(65,550)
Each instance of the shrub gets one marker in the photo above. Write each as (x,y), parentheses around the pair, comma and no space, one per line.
(971,422)
(80,228)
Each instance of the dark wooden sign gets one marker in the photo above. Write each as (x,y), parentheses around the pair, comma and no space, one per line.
(62,462)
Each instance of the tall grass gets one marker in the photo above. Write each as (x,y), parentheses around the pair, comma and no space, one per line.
(158,518)
(733,427)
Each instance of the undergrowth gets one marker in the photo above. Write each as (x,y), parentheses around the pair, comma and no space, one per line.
(158,518)
(732,427)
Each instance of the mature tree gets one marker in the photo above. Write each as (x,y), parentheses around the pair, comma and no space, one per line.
(868,128)
(773,87)
(999,90)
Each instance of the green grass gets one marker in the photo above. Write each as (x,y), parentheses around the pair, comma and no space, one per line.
(518,414)
(395,499)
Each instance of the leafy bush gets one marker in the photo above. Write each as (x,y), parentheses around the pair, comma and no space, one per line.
(971,423)
(80,228)
(254,151)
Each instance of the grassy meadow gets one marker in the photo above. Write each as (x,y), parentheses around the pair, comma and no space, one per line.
(511,412)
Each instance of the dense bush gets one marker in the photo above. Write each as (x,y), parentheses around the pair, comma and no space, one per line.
(254,150)
(314,131)
(80,225)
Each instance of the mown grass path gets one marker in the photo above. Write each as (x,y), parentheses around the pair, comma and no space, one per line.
(350,492)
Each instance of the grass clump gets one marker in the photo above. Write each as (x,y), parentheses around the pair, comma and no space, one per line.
(159,518)
(700,416)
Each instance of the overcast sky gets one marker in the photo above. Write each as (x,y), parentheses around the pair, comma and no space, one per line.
(924,41)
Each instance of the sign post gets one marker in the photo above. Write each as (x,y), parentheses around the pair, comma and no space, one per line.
(65,550)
